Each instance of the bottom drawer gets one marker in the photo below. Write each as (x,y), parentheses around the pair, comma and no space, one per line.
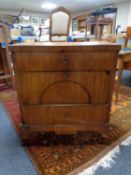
(38,115)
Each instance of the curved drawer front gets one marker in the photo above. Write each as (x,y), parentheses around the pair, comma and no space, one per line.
(61,61)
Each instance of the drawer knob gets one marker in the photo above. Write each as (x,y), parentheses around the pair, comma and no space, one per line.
(65,60)
(66,74)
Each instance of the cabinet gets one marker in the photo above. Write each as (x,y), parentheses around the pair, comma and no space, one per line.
(98,24)
(82,23)
(65,87)
(5,69)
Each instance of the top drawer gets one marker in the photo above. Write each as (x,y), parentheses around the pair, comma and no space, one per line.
(64,61)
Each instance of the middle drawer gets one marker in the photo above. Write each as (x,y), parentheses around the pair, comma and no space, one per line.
(64,88)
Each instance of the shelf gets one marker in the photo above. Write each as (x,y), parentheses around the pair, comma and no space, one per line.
(5,77)
(82,20)
(82,27)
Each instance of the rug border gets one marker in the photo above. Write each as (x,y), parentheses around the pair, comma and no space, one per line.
(100,155)
(38,171)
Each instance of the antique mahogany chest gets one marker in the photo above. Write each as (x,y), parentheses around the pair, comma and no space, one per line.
(65,87)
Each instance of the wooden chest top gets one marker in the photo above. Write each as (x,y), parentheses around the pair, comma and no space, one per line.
(58,46)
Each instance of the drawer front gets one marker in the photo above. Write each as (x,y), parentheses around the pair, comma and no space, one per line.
(65,115)
(64,87)
(61,61)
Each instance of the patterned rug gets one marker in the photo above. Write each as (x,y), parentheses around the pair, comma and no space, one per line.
(62,155)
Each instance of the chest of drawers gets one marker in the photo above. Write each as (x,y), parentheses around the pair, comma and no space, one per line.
(65,87)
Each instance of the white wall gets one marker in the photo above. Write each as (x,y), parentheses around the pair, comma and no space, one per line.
(129,15)
(79,14)
(122,14)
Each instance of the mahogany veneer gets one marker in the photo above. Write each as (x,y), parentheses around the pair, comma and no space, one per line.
(65,87)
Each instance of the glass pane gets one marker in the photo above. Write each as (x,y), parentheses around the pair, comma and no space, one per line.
(74,25)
